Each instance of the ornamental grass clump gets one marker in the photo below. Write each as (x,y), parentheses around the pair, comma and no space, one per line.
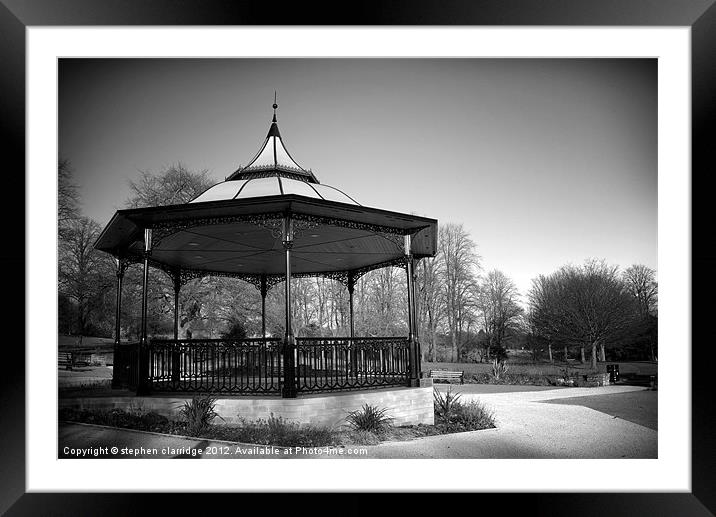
(446,405)
(474,415)
(453,415)
(499,369)
(370,419)
(199,414)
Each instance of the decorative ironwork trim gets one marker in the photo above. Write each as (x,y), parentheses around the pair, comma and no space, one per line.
(344,277)
(301,226)
(192,274)
(165,229)
(355,225)
(122,264)
(338,276)
(352,275)
(273,225)
(397,239)
(400,262)
(273,222)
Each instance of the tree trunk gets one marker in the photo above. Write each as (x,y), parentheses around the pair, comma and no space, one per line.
(566,356)
(488,353)
(581,349)
(651,350)
(602,353)
(549,350)
(594,356)
(434,349)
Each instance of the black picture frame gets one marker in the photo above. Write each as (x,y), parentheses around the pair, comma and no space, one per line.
(699,15)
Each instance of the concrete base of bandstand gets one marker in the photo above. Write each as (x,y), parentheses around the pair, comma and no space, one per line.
(406,406)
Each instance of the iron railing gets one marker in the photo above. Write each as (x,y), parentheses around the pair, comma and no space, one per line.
(216,365)
(256,366)
(331,364)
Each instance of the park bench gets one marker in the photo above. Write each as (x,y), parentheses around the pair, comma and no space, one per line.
(65,360)
(447,375)
(72,359)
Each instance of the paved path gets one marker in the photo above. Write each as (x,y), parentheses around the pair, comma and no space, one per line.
(96,441)
(526,428)
(639,407)
(494,388)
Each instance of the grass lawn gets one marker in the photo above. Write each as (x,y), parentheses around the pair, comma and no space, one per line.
(639,407)
(69,342)
(481,389)
(85,373)
(89,377)
(519,364)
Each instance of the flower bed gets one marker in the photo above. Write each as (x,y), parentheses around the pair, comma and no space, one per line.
(278,431)
(570,380)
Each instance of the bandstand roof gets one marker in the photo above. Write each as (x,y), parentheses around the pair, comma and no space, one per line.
(234,227)
(273,158)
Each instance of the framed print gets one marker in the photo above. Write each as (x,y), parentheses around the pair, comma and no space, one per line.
(252,215)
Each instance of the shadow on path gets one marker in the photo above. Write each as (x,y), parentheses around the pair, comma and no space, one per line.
(639,407)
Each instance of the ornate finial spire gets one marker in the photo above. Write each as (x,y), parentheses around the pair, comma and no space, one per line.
(273,158)
(274,106)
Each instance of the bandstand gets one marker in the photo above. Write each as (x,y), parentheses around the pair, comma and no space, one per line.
(268,222)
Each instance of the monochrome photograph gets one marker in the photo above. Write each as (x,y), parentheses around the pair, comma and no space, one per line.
(357,258)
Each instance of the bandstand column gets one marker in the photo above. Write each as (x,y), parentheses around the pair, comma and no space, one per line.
(264,291)
(289,343)
(143,387)
(176,355)
(119,359)
(413,359)
(416,320)
(354,354)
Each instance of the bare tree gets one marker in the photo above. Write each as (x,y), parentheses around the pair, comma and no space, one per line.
(85,274)
(67,197)
(545,318)
(217,301)
(306,317)
(498,304)
(586,306)
(431,307)
(640,282)
(461,264)
(174,185)
(387,305)
(339,308)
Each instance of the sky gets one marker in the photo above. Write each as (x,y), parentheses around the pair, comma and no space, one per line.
(544,161)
